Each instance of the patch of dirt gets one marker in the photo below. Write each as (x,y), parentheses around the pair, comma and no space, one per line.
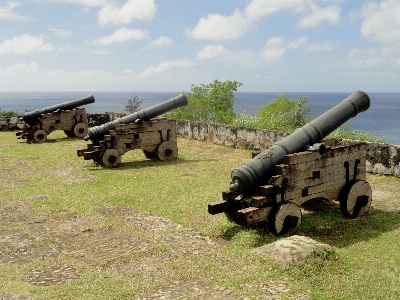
(150,222)
(16,241)
(186,243)
(117,211)
(27,255)
(270,290)
(81,179)
(47,227)
(12,296)
(385,196)
(104,243)
(196,289)
(13,214)
(52,275)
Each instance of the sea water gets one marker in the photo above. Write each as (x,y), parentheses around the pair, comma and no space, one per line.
(381,119)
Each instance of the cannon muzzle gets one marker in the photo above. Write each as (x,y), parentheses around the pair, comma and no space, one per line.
(261,168)
(32,116)
(97,133)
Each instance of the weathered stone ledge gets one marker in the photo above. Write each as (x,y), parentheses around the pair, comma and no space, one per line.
(382,159)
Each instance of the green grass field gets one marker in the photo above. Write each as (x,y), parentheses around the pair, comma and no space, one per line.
(44,185)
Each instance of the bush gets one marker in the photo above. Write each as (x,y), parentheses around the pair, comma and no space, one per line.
(9,113)
(133,104)
(282,114)
(344,132)
(209,103)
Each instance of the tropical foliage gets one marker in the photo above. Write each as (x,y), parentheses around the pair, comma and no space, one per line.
(211,102)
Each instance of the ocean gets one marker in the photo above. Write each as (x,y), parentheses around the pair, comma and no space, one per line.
(381,119)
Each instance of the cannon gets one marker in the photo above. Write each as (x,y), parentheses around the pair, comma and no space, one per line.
(303,167)
(143,129)
(65,116)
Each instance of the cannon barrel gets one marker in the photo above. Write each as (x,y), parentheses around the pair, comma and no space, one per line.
(253,173)
(96,133)
(32,116)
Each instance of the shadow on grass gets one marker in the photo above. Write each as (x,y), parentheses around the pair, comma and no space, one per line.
(147,163)
(326,224)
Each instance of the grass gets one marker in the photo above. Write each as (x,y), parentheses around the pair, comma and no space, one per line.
(48,181)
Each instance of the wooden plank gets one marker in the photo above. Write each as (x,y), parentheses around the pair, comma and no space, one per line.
(298,193)
(252,215)
(284,169)
(334,151)
(332,194)
(321,173)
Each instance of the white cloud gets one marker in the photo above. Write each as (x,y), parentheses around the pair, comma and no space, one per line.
(218,27)
(273,50)
(60,32)
(381,21)
(25,44)
(261,8)
(297,43)
(164,67)
(33,77)
(122,35)
(7,14)
(143,10)
(323,46)
(211,51)
(386,56)
(87,3)
(276,48)
(160,42)
(330,14)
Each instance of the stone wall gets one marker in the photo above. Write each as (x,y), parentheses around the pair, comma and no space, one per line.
(382,159)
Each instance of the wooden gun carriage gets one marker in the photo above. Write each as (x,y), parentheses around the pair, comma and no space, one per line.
(140,130)
(65,116)
(157,139)
(273,185)
(336,173)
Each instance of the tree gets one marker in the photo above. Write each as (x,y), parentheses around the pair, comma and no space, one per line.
(211,102)
(133,104)
(283,114)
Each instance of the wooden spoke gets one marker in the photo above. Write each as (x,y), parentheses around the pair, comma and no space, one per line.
(80,130)
(111,158)
(287,219)
(167,150)
(355,199)
(40,136)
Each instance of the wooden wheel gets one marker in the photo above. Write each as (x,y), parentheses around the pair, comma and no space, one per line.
(80,130)
(40,136)
(287,219)
(355,199)
(167,150)
(111,158)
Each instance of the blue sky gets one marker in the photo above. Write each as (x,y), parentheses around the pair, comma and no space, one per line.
(168,45)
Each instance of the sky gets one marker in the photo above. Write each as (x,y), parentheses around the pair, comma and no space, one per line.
(170,45)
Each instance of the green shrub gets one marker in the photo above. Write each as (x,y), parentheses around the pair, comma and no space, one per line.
(345,132)
(9,113)
(211,102)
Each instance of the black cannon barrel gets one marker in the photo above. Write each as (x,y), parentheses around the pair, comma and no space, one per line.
(32,116)
(253,173)
(97,133)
